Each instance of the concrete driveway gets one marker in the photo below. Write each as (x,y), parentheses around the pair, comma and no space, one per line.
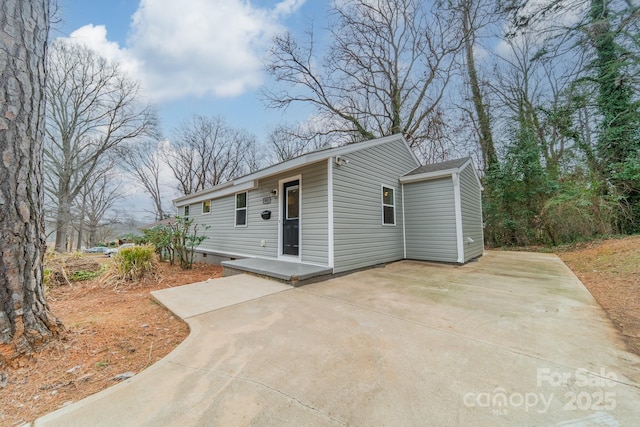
(513,339)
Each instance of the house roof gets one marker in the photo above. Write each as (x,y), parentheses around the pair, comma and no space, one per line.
(248,181)
(438,167)
(438,170)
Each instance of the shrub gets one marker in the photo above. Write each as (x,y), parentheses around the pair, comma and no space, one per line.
(132,264)
(178,239)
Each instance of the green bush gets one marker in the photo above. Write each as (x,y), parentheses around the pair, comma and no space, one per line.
(176,240)
(134,263)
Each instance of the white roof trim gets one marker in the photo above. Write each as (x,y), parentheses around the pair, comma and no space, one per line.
(434,175)
(222,190)
(305,159)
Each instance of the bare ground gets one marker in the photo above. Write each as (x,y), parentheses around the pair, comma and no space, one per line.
(610,269)
(111,331)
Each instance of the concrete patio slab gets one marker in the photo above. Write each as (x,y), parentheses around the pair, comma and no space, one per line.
(291,272)
(513,339)
(198,298)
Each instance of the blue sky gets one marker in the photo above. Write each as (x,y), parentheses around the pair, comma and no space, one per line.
(194,56)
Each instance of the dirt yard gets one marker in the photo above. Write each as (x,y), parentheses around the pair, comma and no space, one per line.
(118,331)
(610,269)
(109,332)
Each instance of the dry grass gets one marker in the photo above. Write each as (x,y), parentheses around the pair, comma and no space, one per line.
(610,269)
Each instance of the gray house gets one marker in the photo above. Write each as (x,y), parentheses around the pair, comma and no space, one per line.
(341,209)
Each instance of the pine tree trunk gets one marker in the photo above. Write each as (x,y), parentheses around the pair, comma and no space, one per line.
(25,319)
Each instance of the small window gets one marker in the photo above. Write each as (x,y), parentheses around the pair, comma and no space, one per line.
(186,211)
(206,206)
(241,209)
(388,206)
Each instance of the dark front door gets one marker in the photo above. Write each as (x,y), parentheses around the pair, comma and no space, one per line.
(291,221)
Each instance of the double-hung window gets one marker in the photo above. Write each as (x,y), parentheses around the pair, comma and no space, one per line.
(206,206)
(388,206)
(241,209)
(186,212)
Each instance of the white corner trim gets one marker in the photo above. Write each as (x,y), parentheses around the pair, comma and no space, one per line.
(330,238)
(458,209)
(404,225)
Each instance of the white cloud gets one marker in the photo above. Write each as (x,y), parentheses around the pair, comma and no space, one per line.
(203,46)
(95,38)
(195,47)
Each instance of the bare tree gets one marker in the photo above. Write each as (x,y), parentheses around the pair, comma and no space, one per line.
(93,107)
(474,16)
(206,152)
(542,95)
(25,319)
(144,161)
(385,73)
(98,198)
(285,142)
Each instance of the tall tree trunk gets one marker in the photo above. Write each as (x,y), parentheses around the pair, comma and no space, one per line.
(25,319)
(487,147)
(62,224)
(619,123)
(83,211)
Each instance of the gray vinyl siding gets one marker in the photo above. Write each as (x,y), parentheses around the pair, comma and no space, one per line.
(360,239)
(225,238)
(431,220)
(314,215)
(471,214)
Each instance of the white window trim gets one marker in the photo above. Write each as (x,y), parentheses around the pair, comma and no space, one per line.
(383,205)
(184,211)
(210,204)
(236,209)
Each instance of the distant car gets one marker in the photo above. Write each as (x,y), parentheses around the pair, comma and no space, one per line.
(109,252)
(96,250)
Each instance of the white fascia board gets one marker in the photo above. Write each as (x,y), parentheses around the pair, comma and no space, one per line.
(216,192)
(427,176)
(317,156)
(475,172)
(188,198)
(303,160)
(435,174)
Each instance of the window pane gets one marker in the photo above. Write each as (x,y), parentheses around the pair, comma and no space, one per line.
(241,200)
(186,211)
(387,196)
(206,206)
(292,203)
(389,217)
(241,217)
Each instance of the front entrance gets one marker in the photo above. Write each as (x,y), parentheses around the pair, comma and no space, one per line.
(291,218)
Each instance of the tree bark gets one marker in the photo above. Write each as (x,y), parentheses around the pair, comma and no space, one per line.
(489,156)
(25,319)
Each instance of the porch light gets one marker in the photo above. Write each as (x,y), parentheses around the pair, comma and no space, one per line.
(341,161)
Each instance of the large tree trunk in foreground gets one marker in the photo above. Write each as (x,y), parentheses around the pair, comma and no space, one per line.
(25,320)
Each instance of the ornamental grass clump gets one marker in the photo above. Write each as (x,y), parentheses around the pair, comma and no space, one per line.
(131,265)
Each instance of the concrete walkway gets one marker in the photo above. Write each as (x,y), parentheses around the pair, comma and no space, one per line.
(513,339)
